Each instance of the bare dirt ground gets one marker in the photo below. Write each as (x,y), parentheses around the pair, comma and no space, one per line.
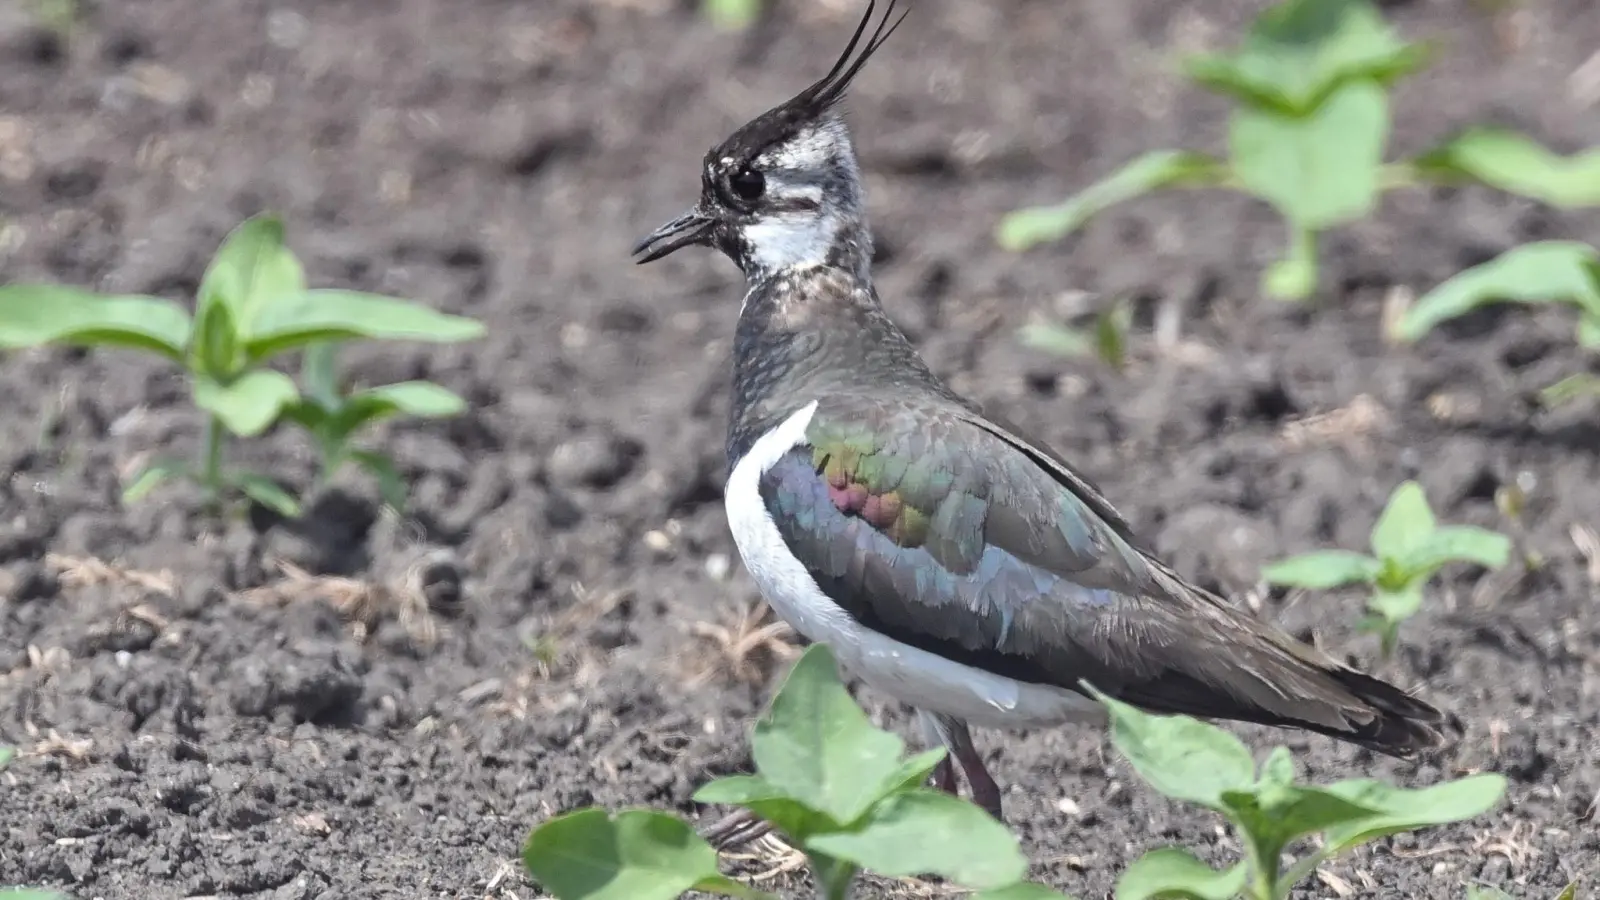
(363,706)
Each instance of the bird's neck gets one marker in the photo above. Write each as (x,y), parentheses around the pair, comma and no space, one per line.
(808,331)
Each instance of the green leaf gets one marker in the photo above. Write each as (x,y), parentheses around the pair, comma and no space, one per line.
(1318,170)
(1402,809)
(419,399)
(1516,164)
(1404,525)
(791,817)
(1111,333)
(31,894)
(217,350)
(914,771)
(1183,758)
(816,746)
(152,476)
(322,315)
(1541,272)
(1578,386)
(1022,890)
(249,403)
(731,15)
(1570,892)
(1057,339)
(1173,873)
(924,832)
(35,314)
(1030,227)
(1273,818)
(1589,322)
(1396,605)
(319,374)
(1299,52)
(251,271)
(391,487)
(634,855)
(266,492)
(1457,543)
(1323,569)
(6,755)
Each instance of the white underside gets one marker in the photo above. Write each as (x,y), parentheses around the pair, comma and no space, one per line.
(913,676)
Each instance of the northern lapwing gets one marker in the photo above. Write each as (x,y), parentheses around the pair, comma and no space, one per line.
(948,559)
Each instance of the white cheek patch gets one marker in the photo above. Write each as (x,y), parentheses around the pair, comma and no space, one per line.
(792,239)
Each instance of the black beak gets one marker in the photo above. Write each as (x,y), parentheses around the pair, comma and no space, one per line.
(690,228)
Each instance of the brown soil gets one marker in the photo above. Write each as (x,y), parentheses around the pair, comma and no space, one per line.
(541,631)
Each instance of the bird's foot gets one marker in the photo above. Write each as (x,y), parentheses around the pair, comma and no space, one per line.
(944,776)
(735,830)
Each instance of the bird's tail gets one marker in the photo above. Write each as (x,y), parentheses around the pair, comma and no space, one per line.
(1256,673)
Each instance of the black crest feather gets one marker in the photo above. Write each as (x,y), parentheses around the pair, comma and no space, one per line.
(787,118)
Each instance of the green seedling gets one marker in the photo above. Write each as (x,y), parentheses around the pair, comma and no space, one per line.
(7,754)
(1307,136)
(253,307)
(1107,339)
(1541,273)
(1201,764)
(26,893)
(333,417)
(731,15)
(1409,547)
(836,787)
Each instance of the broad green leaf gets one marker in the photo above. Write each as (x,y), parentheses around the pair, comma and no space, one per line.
(152,476)
(1485,892)
(914,771)
(419,399)
(217,350)
(1299,52)
(1030,227)
(1022,890)
(1541,272)
(1057,339)
(1405,523)
(924,832)
(1578,386)
(35,314)
(248,404)
(1318,170)
(727,887)
(6,755)
(815,745)
(323,315)
(251,271)
(319,374)
(1323,569)
(31,894)
(390,485)
(633,855)
(1457,543)
(1570,892)
(1181,757)
(1402,809)
(1516,164)
(1173,873)
(266,492)
(1294,811)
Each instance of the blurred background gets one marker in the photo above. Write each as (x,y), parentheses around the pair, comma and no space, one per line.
(362,704)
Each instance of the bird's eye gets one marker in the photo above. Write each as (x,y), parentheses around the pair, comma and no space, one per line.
(748,184)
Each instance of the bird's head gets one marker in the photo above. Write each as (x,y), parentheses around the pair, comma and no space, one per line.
(784,190)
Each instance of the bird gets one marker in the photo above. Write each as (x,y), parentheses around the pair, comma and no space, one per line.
(947,558)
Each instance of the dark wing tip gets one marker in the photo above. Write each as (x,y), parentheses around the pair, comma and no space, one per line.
(1401,726)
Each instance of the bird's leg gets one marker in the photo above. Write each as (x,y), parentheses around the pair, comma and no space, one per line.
(953,732)
(933,731)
